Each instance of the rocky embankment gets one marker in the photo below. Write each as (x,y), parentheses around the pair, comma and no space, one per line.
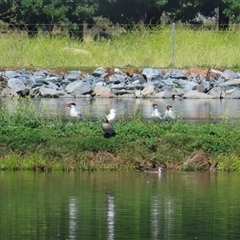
(144,83)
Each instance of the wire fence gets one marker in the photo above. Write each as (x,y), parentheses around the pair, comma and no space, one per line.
(173,45)
(34,28)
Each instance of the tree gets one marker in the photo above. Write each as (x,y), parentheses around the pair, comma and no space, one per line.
(130,11)
(232,10)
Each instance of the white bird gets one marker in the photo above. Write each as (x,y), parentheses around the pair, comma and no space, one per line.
(74,112)
(111,116)
(158,170)
(169,114)
(108,129)
(155,112)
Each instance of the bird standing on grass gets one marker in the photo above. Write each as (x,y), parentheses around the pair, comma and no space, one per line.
(111,116)
(74,112)
(155,112)
(108,129)
(169,114)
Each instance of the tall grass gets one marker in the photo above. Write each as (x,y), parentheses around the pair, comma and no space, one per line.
(145,48)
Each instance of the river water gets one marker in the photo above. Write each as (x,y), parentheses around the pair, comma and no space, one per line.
(120,205)
(190,110)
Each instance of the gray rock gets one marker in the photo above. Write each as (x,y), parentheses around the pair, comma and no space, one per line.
(117,86)
(215,74)
(29,82)
(73,85)
(50,93)
(163,94)
(72,76)
(229,74)
(82,89)
(34,92)
(137,93)
(134,86)
(15,85)
(189,85)
(152,73)
(234,83)
(168,82)
(204,87)
(53,79)
(196,95)
(117,78)
(215,92)
(136,78)
(53,86)
(232,94)
(102,91)
(126,96)
(147,90)
(101,83)
(123,92)
(177,92)
(177,74)
(6,92)
(11,74)
(221,80)
(100,72)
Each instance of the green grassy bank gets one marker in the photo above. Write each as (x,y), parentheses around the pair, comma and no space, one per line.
(138,48)
(30,142)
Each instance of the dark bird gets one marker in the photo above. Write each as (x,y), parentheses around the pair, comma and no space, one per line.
(108,129)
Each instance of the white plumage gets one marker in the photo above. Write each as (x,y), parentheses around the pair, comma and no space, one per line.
(74,112)
(155,112)
(111,116)
(169,113)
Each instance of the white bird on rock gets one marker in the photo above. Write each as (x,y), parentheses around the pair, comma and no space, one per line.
(169,114)
(155,112)
(111,116)
(108,129)
(74,112)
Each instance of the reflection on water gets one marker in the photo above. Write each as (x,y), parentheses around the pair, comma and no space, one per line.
(112,205)
(72,217)
(156,212)
(191,110)
(110,216)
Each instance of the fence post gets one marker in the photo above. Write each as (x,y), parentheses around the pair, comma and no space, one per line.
(173,43)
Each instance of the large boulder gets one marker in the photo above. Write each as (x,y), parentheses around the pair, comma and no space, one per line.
(152,73)
(196,95)
(148,90)
(15,86)
(71,87)
(50,93)
(102,91)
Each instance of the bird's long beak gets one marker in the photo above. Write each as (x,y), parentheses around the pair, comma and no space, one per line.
(68,105)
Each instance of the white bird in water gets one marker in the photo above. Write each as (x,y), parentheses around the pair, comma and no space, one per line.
(111,116)
(108,129)
(158,170)
(74,112)
(155,112)
(169,114)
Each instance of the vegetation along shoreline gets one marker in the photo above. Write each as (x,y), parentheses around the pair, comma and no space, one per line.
(30,142)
